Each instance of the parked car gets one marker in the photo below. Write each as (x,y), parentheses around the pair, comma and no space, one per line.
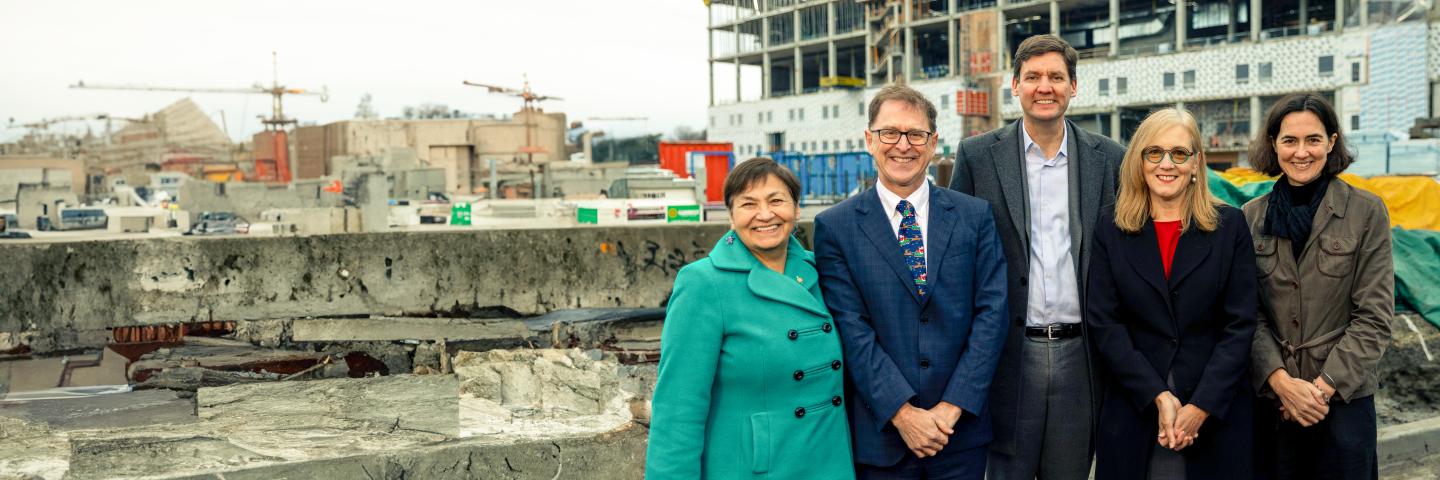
(219,223)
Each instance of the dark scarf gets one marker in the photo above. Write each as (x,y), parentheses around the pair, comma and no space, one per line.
(1291,213)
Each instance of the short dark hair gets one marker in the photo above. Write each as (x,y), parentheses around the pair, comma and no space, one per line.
(904,94)
(1042,44)
(748,173)
(1262,148)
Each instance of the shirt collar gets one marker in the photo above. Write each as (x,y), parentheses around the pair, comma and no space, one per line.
(920,198)
(1064,145)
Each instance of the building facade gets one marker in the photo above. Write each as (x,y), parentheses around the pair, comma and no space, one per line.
(795,75)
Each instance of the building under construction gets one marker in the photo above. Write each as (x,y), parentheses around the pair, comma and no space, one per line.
(792,75)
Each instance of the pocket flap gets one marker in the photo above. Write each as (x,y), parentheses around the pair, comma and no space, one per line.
(1337,245)
(1265,246)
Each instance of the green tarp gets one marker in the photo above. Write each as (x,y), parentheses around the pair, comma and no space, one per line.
(1417,252)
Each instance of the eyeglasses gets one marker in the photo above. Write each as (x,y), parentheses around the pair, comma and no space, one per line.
(890,136)
(1177,155)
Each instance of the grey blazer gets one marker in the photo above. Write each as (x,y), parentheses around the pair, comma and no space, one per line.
(991,166)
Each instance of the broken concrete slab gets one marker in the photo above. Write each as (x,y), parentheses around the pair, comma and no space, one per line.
(405,402)
(112,410)
(405,328)
(227,358)
(190,379)
(538,392)
(62,296)
(32,450)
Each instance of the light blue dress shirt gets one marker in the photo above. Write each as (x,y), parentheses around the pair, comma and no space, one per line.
(1054,291)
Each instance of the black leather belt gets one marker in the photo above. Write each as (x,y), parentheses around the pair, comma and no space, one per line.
(1054,331)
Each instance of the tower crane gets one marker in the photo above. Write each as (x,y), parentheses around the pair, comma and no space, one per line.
(528,109)
(277,169)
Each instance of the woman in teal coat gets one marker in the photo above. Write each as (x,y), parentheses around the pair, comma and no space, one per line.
(750,382)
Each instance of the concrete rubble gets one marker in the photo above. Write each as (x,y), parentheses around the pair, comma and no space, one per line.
(573,420)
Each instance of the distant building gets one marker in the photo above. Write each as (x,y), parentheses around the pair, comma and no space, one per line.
(179,135)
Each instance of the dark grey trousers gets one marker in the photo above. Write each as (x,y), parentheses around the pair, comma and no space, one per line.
(1053,434)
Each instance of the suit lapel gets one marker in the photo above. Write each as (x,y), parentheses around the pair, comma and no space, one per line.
(1075,168)
(1009,167)
(1144,256)
(1194,247)
(766,283)
(875,224)
(937,235)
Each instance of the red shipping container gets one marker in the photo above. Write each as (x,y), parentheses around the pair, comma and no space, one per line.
(674,156)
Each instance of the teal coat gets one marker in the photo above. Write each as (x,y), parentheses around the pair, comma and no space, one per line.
(750,382)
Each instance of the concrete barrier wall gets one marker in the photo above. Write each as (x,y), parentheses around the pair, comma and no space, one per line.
(64,295)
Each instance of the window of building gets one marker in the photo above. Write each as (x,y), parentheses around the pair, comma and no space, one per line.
(801,115)
(792,146)
(1104,87)
(712,121)
(1242,74)
(836,111)
(1266,71)
(792,114)
(759,117)
(1354,122)
(1169,80)
(769,117)
(824,113)
(1189,78)
(944,103)
(861,110)
(1121,85)
(1327,65)
(1355,72)
(1009,98)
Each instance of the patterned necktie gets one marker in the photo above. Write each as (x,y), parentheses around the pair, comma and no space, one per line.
(912,244)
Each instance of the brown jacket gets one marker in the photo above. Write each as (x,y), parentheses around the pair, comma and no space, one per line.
(1330,313)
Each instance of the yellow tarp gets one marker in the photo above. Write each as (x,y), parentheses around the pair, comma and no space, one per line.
(1413,201)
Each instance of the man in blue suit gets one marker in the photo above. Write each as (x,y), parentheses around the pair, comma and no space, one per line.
(915,278)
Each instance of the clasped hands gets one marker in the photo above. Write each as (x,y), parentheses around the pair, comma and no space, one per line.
(1179,425)
(926,431)
(1302,402)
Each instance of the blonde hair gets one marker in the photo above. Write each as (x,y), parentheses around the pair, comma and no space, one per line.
(1132,205)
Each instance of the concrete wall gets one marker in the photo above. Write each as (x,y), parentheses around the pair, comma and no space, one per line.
(33,201)
(250,199)
(64,295)
(60,172)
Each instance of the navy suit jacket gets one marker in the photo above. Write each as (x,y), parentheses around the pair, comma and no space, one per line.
(900,347)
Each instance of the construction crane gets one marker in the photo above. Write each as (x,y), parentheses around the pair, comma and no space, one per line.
(276,169)
(528,109)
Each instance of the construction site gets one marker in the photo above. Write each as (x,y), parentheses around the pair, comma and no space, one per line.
(448,295)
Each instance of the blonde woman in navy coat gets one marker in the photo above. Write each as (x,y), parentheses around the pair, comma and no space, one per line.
(750,382)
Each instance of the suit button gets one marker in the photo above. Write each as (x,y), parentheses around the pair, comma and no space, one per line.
(835,365)
(799,375)
(799,412)
(1259,247)
(924,319)
(924,363)
(826,327)
(1174,341)
(835,400)
(1335,246)
(1174,294)
(793,334)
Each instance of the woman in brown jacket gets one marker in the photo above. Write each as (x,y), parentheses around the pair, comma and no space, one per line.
(1327,283)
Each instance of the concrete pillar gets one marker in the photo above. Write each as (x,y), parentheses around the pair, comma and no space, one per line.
(1182,23)
(1115,125)
(1304,17)
(1180,105)
(830,35)
(953,44)
(1055,17)
(710,48)
(1339,15)
(1255,114)
(1230,27)
(1255,21)
(1364,13)
(765,75)
(1114,27)
(869,55)
(738,96)
(712,83)
(908,63)
(797,88)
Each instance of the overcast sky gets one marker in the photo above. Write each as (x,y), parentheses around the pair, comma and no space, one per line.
(612,58)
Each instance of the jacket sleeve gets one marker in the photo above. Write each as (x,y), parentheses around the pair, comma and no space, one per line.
(961,179)
(970,383)
(872,372)
(1264,355)
(1127,366)
(1357,355)
(1230,358)
(690,345)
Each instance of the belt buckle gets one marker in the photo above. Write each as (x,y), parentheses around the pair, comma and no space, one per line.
(1050,331)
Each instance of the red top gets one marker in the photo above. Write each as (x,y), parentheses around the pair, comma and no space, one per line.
(1169,235)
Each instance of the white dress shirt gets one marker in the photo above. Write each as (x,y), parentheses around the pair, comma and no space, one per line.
(920,199)
(1054,293)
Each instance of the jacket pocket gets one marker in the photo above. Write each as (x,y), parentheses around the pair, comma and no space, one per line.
(760,442)
(1265,259)
(1337,255)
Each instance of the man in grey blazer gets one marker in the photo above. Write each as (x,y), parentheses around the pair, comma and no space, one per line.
(1047,181)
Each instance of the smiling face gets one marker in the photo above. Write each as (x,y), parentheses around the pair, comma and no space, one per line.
(1167,180)
(1301,147)
(763,216)
(1044,87)
(901,165)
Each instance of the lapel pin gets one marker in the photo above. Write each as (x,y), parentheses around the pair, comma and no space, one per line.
(799,280)
(729,239)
